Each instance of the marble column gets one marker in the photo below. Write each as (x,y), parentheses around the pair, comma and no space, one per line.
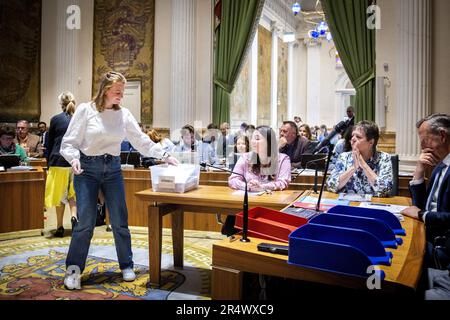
(67,57)
(413,102)
(253,115)
(183,92)
(313,83)
(274,78)
(290,83)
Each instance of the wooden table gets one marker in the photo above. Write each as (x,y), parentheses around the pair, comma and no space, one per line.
(22,200)
(41,162)
(205,199)
(140,179)
(231,260)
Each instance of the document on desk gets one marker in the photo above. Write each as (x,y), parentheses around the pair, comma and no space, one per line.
(335,202)
(395,209)
(250,193)
(309,202)
(356,197)
(22,168)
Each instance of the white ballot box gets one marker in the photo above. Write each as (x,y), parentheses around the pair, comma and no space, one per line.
(179,179)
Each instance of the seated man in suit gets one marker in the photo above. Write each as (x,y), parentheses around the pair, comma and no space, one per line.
(432,204)
(292,144)
(31,143)
(225,143)
(43,135)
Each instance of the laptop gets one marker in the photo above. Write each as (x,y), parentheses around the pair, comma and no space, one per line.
(9,160)
(130,157)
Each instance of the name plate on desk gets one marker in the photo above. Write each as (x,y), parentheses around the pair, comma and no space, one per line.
(167,182)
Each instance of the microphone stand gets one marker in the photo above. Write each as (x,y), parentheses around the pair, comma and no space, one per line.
(340,127)
(327,164)
(245,205)
(315,181)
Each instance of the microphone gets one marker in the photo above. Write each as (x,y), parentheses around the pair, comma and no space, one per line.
(339,128)
(128,155)
(126,165)
(245,204)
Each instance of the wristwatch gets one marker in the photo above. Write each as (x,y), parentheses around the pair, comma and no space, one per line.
(420,214)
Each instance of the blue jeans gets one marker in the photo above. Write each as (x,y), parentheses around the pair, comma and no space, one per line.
(100,173)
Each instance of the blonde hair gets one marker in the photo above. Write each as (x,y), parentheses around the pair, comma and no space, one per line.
(65,98)
(154,135)
(107,82)
(70,109)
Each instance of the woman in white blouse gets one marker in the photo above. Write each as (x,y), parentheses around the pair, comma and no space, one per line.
(92,146)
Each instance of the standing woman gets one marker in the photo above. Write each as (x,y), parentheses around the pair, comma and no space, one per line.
(92,146)
(59,184)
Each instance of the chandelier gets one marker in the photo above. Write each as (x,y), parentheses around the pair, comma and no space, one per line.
(316,19)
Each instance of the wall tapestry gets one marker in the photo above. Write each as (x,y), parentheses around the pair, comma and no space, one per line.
(123,42)
(20,45)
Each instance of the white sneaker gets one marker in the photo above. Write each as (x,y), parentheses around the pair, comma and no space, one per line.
(128,274)
(72,281)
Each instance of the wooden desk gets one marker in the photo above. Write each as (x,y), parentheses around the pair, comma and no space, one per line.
(22,200)
(231,260)
(140,179)
(205,199)
(41,162)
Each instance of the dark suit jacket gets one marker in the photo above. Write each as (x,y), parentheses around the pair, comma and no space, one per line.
(300,146)
(44,137)
(437,223)
(56,131)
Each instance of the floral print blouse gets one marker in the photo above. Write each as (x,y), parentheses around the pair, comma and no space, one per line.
(380,163)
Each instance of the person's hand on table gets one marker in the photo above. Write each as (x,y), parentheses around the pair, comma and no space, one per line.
(412,212)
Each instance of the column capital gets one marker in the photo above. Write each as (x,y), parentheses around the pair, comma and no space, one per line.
(311,43)
(276,27)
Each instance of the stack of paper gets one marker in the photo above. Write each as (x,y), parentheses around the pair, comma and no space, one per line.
(351,196)
(395,209)
(309,202)
(21,168)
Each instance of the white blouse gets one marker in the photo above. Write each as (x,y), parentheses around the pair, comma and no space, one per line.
(97,133)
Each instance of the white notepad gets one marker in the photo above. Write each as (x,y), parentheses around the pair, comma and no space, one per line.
(351,196)
(395,209)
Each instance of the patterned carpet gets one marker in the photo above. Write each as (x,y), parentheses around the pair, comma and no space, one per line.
(33,268)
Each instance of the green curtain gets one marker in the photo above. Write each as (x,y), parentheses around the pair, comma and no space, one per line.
(239,20)
(355,43)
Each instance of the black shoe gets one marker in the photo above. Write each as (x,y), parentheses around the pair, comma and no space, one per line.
(59,232)
(74,221)
(108,228)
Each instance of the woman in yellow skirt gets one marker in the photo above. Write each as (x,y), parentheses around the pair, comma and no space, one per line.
(59,189)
